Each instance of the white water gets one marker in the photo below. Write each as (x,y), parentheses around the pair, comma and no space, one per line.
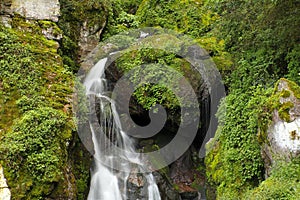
(112,167)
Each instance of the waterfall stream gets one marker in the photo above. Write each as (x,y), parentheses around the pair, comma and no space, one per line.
(113,167)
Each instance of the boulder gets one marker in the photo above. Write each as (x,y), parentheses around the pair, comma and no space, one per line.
(283,134)
(41,10)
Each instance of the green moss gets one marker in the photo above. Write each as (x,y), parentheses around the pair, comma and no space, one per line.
(155,54)
(188,17)
(33,145)
(36,147)
(55,30)
(81,167)
(213,162)
(283,108)
(284,111)
(285,94)
(294,88)
(176,187)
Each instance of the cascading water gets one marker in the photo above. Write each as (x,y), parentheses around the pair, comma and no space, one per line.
(113,167)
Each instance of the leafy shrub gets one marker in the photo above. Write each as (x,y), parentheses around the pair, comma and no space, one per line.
(283,183)
(235,163)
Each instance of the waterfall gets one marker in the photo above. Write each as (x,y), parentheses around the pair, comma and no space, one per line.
(114,164)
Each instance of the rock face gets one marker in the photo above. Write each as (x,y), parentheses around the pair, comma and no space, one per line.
(4,190)
(89,37)
(42,9)
(47,10)
(283,135)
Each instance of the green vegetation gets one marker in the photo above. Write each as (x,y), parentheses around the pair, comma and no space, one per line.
(75,17)
(36,126)
(188,17)
(158,56)
(262,37)
(235,164)
(282,184)
(31,75)
(253,43)
(33,152)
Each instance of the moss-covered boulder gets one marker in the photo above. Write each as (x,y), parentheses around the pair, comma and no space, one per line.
(282,136)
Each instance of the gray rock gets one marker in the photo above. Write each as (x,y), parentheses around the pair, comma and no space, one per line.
(32,9)
(50,34)
(89,37)
(6,20)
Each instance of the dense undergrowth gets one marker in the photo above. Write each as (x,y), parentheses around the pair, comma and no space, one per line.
(262,38)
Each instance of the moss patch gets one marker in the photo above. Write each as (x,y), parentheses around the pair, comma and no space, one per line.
(36,125)
(284,111)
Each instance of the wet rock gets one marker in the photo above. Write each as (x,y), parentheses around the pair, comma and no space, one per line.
(41,14)
(135,187)
(180,169)
(190,195)
(89,37)
(166,189)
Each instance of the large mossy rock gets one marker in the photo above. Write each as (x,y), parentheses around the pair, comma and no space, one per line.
(282,139)
(260,135)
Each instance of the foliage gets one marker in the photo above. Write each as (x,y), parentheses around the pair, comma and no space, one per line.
(262,35)
(282,184)
(262,39)
(31,75)
(35,146)
(189,17)
(36,126)
(235,164)
(148,54)
(263,42)
(182,16)
(121,17)
(293,59)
